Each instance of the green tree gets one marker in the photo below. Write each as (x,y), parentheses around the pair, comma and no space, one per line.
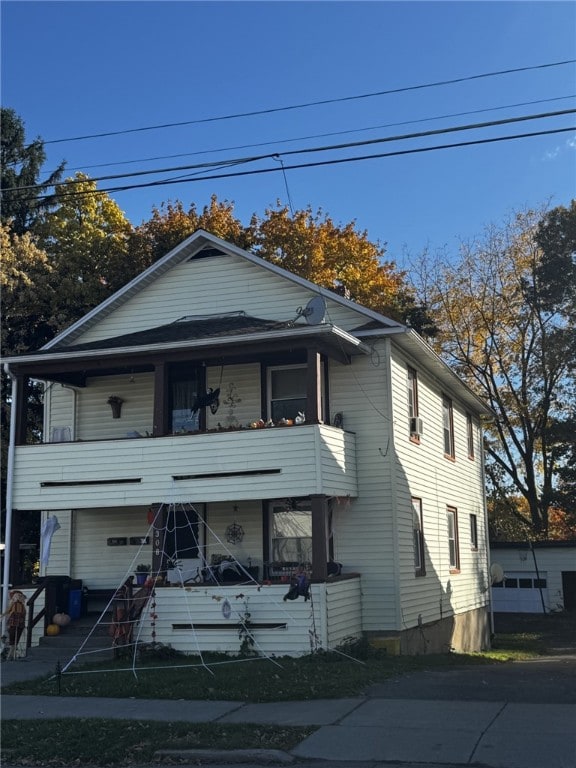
(86,238)
(20,167)
(505,333)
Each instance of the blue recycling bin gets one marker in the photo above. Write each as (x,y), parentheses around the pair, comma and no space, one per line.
(75,603)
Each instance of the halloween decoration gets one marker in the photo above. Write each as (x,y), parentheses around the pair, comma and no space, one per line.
(16,620)
(211,399)
(61,619)
(52,630)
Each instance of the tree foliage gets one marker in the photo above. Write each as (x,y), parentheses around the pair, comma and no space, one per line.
(86,238)
(20,166)
(504,330)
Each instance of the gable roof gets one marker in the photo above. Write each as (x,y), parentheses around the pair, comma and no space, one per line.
(199,245)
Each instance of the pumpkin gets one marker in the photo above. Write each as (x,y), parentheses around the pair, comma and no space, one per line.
(52,629)
(61,619)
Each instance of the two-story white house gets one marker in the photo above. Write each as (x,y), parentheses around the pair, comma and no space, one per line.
(269,422)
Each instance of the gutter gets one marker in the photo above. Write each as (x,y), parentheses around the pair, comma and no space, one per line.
(9,496)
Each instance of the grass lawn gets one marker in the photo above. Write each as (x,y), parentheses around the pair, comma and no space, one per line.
(321,676)
(113,742)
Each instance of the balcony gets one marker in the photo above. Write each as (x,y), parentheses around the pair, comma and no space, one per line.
(220,466)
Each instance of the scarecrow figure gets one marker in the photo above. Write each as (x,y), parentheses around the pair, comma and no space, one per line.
(16,620)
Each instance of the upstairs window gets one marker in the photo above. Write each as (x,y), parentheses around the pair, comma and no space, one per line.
(448,427)
(287,391)
(414,423)
(470,435)
(185,384)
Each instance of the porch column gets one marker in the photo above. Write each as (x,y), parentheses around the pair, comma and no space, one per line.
(160,421)
(15,570)
(22,386)
(319,504)
(314,387)
(158,538)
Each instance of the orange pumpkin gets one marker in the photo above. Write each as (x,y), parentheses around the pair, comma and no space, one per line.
(52,629)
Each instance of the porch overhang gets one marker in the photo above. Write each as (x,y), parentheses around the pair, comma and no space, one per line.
(330,340)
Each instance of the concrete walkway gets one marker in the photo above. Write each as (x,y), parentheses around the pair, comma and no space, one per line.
(420,718)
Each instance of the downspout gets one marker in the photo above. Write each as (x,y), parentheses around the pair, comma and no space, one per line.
(486,531)
(9,493)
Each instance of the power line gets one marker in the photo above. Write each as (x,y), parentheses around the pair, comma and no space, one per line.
(315,164)
(324,135)
(318,103)
(329,148)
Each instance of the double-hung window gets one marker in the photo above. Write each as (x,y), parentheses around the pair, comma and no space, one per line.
(453,546)
(474,532)
(291,533)
(413,420)
(418,535)
(448,427)
(286,391)
(470,435)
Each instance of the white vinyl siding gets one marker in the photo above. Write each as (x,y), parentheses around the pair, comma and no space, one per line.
(364,527)
(99,565)
(59,415)
(423,472)
(249,516)
(240,401)
(211,286)
(95,421)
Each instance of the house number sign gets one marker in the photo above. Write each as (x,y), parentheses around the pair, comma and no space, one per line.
(118,541)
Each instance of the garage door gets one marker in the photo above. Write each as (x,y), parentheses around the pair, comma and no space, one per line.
(520,592)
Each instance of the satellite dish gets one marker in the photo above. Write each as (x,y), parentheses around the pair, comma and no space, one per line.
(497,573)
(314,312)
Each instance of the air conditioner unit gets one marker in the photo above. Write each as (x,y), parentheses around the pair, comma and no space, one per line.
(416,426)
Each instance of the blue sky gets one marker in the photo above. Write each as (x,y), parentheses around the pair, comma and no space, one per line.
(76,68)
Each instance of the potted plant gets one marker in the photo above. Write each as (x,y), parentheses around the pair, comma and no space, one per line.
(142,573)
(115,403)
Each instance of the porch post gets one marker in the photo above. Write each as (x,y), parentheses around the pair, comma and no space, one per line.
(314,387)
(319,505)
(14,566)
(22,386)
(160,421)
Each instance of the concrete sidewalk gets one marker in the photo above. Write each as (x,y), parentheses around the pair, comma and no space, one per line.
(419,718)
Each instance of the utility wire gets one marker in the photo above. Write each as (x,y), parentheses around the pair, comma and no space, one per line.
(305,105)
(316,164)
(328,148)
(323,135)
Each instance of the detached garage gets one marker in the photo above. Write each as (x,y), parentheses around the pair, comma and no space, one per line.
(536,579)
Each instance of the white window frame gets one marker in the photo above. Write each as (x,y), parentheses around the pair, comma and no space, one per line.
(453,543)
(448,427)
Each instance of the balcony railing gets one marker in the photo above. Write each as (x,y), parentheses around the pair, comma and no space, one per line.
(220,466)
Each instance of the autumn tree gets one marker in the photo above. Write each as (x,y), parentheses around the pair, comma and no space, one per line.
(504,332)
(24,197)
(340,258)
(170,224)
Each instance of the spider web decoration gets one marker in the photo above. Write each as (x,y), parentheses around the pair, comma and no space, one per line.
(234,533)
(147,598)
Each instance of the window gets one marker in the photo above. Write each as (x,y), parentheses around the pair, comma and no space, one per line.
(474,531)
(418,534)
(287,391)
(291,533)
(413,403)
(448,427)
(452,517)
(185,384)
(470,435)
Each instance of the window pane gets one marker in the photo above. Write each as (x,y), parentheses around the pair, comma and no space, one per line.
(288,383)
(292,536)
